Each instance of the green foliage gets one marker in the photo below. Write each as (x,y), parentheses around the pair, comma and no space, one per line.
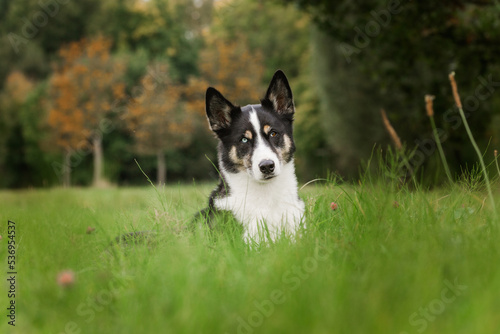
(24,161)
(279,33)
(31,33)
(349,120)
(381,54)
(314,157)
(35,135)
(360,57)
(163,29)
(140,32)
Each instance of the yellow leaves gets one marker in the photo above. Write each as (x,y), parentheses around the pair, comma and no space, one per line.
(162,117)
(71,52)
(171,51)
(161,113)
(79,69)
(96,48)
(158,117)
(83,89)
(119,90)
(233,69)
(17,87)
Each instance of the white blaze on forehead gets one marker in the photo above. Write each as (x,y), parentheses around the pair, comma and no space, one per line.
(261,150)
(255,123)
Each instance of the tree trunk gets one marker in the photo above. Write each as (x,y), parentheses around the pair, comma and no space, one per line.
(98,160)
(161,175)
(66,170)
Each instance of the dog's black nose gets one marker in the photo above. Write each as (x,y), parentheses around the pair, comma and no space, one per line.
(266,166)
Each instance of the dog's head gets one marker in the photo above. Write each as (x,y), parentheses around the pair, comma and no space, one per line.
(256,139)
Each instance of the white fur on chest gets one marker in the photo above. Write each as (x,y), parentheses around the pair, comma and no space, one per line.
(274,203)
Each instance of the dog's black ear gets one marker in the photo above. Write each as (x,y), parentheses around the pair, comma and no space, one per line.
(218,109)
(279,95)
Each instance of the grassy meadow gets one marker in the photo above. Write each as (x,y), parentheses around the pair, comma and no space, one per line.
(387,260)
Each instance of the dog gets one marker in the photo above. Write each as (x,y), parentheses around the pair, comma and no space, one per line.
(257,181)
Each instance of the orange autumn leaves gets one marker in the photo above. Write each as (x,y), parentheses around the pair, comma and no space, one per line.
(18,86)
(164,117)
(234,70)
(158,118)
(89,84)
(82,90)
(17,89)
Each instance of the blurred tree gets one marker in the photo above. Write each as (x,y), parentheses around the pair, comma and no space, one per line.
(279,34)
(374,54)
(36,134)
(158,120)
(233,69)
(24,161)
(237,73)
(84,89)
(31,35)
(31,32)
(12,162)
(313,157)
(168,30)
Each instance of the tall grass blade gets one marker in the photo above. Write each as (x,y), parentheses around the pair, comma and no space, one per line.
(496,162)
(456,96)
(430,113)
(154,187)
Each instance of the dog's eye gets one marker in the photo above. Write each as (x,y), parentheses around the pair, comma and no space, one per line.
(244,140)
(273,134)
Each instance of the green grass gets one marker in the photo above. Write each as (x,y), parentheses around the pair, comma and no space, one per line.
(383,262)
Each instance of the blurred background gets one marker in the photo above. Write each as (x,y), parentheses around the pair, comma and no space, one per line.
(88,86)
